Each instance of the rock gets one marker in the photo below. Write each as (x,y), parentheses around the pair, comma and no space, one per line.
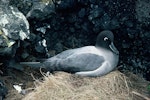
(82,13)
(77,26)
(59,47)
(23,5)
(93,1)
(41,10)
(132,33)
(105,21)
(95,13)
(41,46)
(83,2)
(72,18)
(72,29)
(13,28)
(125,44)
(142,9)
(13,23)
(24,55)
(66,5)
(114,24)
(3,90)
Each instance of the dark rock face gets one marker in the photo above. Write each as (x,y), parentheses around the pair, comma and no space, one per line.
(76,23)
(14,28)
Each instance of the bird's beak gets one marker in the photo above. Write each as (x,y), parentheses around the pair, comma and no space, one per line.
(113,48)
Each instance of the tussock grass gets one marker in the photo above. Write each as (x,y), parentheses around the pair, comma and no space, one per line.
(64,86)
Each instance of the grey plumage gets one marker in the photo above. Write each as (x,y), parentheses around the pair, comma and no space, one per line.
(85,61)
(70,61)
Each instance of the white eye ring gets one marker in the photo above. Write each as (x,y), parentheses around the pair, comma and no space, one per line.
(105,38)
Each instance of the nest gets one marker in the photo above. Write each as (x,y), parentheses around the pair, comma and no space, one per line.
(64,86)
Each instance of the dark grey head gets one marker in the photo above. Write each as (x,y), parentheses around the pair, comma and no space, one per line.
(105,40)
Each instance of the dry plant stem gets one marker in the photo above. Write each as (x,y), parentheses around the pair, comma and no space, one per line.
(140,95)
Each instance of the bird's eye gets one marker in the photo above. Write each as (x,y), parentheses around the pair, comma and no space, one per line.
(105,38)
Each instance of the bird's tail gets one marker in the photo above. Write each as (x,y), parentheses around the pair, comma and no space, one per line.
(32,64)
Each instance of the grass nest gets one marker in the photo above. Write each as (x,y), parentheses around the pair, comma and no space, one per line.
(113,86)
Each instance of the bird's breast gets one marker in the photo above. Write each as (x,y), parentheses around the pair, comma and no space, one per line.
(109,56)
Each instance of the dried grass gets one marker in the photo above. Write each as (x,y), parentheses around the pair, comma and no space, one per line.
(64,86)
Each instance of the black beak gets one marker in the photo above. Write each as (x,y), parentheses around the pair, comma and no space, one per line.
(113,48)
